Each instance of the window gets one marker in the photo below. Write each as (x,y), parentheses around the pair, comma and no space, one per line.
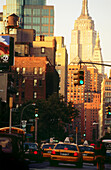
(45,12)
(51,12)
(17,82)
(35,95)
(44,29)
(45,20)
(36,20)
(40,83)
(18,70)
(36,12)
(27,12)
(43,50)
(35,82)
(23,70)
(27,20)
(40,70)
(23,81)
(23,95)
(27,26)
(37,28)
(51,21)
(41,37)
(51,29)
(17,95)
(35,70)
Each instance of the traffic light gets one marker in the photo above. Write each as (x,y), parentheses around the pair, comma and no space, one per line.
(79,77)
(84,134)
(108,111)
(36,113)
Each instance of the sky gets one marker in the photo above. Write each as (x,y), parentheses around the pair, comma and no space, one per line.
(67,11)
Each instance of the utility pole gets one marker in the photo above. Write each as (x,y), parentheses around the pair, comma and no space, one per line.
(10,120)
(76,134)
(36,118)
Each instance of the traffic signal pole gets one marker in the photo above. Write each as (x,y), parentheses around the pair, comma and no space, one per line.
(36,118)
(83,62)
(36,130)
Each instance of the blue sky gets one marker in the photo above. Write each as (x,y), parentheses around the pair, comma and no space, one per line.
(67,11)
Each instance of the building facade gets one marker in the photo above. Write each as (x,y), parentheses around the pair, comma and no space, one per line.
(34,78)
(61,65)
(87,99)
(32,15)
(56,52)
(83,39)
(105,118)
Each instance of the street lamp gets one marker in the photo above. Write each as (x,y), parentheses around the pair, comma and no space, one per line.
(33,104)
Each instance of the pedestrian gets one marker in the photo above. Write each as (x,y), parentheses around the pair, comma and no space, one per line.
(100,153)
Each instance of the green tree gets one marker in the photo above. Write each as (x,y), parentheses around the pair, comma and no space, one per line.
(54,116)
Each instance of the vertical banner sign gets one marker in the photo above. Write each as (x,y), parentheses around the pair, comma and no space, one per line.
(6,51)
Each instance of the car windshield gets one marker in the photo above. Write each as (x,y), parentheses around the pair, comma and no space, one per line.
(6,144)
(85,148)
(30,145)
(66,147)
(48,146)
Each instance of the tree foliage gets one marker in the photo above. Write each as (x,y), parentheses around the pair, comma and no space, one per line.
(54,115)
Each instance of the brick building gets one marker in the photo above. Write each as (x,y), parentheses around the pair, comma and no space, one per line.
(87,99)
(35,78)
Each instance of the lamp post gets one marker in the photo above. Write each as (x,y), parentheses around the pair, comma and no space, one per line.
(36,118)
(33,104)
(10,120)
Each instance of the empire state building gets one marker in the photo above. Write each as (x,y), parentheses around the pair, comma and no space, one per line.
(85,42)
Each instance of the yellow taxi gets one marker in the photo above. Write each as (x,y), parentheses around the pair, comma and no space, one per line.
(46,150)
(66,153)
(88,153)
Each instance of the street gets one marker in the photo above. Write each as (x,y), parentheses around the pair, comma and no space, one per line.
(45,165)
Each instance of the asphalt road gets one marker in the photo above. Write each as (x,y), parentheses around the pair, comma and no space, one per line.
(46,166)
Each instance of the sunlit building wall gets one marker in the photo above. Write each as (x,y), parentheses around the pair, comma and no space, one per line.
(84,44)
(105,102)
(86,98)
(61,62)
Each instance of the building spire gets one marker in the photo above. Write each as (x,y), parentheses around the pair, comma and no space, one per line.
(97,45)
(85,8)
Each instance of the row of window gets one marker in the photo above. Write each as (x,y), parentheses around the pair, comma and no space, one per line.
(38,20)
(44,29)
(36,70)
(38,12)
(23,95)
(108,82)
(35,82)
(35,2)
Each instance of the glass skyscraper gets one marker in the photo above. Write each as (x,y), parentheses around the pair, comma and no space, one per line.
(35,2)
(33,14)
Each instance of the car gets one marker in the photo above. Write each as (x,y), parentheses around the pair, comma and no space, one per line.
(32,152)
(46,150)
(88,153)
(66,153)
(11,152)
